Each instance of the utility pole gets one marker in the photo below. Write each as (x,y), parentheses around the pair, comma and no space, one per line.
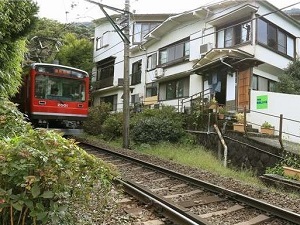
(126,90)
(124,35)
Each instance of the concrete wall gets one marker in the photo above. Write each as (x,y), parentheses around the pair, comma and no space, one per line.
(277,103)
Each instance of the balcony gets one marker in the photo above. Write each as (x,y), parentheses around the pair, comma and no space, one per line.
(106,82)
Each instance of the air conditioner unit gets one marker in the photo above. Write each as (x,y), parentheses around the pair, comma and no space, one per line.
(159,72)
(205,48)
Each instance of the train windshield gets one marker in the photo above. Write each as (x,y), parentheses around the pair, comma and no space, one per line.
(59,88)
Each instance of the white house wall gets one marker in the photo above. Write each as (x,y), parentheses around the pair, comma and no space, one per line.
(114,48)
(277,103)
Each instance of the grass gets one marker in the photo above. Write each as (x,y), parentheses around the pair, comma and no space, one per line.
(190,155)
(197,157)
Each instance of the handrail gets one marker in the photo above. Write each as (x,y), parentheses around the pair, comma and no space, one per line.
(223,143)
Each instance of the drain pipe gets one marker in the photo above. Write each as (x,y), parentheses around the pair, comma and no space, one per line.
(222,61)
(223,143)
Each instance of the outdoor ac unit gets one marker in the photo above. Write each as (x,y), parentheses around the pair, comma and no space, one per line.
(159,72)
(205,48)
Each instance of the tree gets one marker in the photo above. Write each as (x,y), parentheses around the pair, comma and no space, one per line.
(76,52)
(45,39)
(289,82)
(17,18)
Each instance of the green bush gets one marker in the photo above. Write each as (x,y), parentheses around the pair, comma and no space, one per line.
(43,174)
(154,125)
(97,116)
(12,122)
(155,129)
(113,126)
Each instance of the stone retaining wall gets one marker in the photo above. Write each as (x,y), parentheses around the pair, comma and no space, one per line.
(243,153)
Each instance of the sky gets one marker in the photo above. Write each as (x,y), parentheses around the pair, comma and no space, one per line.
(68,11)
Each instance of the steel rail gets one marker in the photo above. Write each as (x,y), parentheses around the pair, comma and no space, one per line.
(168,209)
(258,204)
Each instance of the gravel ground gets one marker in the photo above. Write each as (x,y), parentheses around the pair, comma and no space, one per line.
(281,199)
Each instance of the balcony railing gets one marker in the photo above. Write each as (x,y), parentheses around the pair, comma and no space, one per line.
(99,84)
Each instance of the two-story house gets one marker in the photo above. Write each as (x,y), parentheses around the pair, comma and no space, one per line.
(225,49)
(107,79)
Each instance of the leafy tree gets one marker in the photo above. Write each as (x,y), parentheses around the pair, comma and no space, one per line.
(76,52)
(47,37)
(17,18)
(290,80)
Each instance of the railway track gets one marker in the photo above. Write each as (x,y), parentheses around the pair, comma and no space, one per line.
(186,200)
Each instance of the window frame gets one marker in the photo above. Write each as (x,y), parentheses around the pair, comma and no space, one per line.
(136,72)
(174,53)
(105,69)
(143,30)
(263,40)
(176,89)
(152,61)
(228,34)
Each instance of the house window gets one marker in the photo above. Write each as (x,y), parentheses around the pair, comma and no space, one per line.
(234,35)
(98,43)
(136,72)
(174,89)
(176,52)
(254,82)
(151,62)
(262,84)
(102,41)
(105,68)
(275,38)
(151,90)
(112,100)
(140,29)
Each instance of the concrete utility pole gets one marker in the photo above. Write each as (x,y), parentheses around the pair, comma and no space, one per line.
(126,90)
(125,38)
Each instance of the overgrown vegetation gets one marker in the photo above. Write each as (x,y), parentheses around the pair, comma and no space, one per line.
(155,125)
(17,18)
(46,179)
(97,116)
(290,160)
(289,82)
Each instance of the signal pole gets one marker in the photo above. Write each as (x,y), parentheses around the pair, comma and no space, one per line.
(126,94)
(124,35)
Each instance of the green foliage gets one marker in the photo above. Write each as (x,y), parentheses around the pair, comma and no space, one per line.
(290,160)
(50,34)
(76,52)
(11,120)
(42,173)
(17,18)
(157,125)
(97,116)
(290,80)
(113,126)
(267,125)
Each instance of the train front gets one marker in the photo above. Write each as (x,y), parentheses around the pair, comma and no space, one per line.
(58,96)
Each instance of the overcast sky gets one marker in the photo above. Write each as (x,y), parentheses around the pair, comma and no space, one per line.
(67,11)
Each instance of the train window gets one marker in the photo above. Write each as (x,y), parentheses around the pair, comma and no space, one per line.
(59,88)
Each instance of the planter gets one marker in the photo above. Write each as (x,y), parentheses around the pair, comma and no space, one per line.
(291,172)
(239,127)
(221,116)
(268,131)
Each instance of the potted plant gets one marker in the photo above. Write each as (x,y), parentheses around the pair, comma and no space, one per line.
(239,126)
(267,128)
(221,112)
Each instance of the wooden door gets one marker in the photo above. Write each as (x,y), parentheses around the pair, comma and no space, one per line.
(244,87)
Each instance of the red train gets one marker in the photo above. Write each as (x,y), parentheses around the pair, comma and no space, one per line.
(54,96)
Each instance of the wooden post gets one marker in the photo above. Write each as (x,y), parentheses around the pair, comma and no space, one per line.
(280,131)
